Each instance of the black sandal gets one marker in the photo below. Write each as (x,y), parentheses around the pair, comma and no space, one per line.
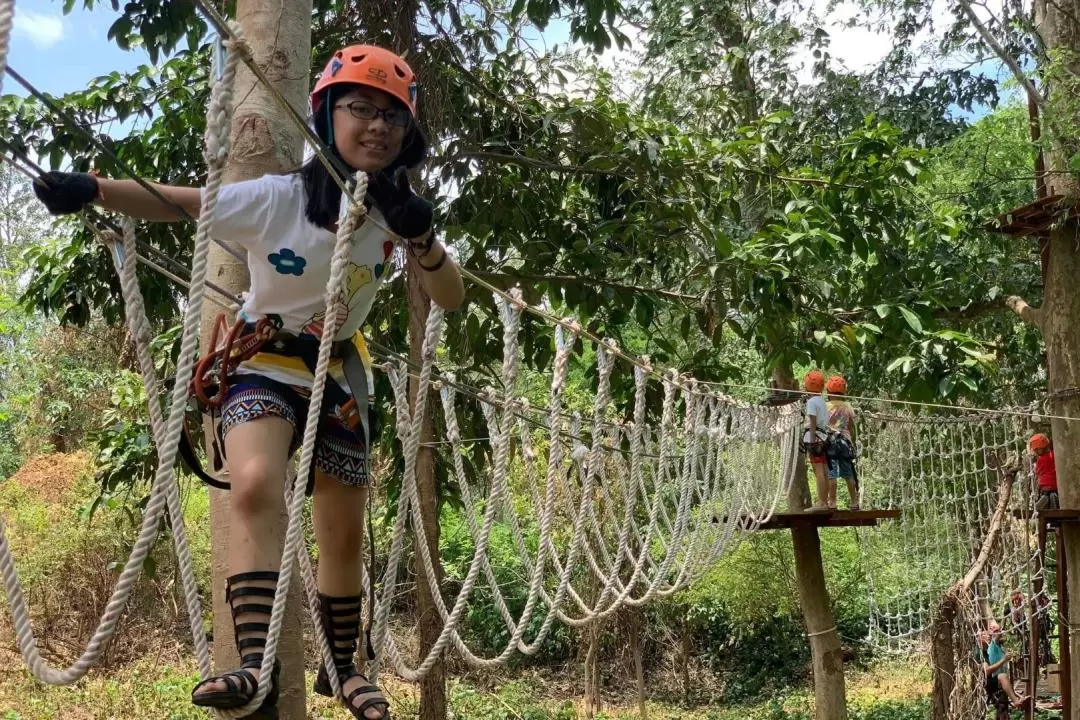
(341,621)
(256,591)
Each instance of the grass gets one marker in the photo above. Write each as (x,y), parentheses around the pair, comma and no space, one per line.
(146,690)
(67,562)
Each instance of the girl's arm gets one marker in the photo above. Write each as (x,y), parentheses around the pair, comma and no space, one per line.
(130,198)
(443,284)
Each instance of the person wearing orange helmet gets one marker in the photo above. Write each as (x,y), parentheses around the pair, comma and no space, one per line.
(815,436)
(364,107)
(841,449)
(1045,471)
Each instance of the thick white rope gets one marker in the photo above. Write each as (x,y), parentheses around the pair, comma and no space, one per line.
(217,144)
(7,22)
(294,538)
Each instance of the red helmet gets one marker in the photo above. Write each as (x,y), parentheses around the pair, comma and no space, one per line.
(1038,441)
(813,381)
(837,385)
(370,66)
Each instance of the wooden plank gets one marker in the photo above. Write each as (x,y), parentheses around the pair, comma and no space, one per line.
(1052,517)
(837,518)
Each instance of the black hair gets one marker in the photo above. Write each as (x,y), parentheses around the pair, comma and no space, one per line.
(323,196)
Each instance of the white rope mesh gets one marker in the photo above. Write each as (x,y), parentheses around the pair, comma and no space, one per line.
(939,472)
(646,509)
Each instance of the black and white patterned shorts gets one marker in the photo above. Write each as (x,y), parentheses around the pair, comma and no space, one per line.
(339,453)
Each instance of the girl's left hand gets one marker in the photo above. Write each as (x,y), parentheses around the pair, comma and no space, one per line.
(407,214)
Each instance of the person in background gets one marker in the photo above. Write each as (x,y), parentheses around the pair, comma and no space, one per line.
(994,660)
(815,436)
(1045,471)
(841,449)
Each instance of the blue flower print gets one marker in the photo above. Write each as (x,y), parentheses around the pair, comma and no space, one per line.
(286,262)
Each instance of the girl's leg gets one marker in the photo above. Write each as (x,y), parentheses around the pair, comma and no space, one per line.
(338,514)
(822,483)
(853,493)
(257,453)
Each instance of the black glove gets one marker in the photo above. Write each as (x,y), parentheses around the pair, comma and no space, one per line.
(407,214)
(64,193)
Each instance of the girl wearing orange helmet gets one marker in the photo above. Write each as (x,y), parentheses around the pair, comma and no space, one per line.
(841,450)
(815,436)
(364,108)
(1045,471)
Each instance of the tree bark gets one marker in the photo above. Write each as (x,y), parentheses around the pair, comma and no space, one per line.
(263,141)
(433,686)
(828,656)
(637,619)
(1060,312)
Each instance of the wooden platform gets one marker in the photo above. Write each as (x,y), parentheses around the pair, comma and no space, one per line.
(1036,218)
(836,518)
(1052,517)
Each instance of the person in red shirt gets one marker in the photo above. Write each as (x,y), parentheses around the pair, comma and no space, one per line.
(1045,471)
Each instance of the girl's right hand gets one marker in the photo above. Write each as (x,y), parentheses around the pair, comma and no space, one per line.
(64,193)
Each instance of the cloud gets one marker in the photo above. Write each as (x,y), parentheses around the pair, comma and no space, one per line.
(42,30)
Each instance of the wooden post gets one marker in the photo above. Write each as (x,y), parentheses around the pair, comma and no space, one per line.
(433,686)
(637,617)
(263,141)
(1064,651)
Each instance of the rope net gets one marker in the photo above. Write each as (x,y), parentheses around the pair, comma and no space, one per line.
(941,473)
(608,509)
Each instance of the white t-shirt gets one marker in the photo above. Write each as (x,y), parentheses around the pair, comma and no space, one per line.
(816,407)
(289,258)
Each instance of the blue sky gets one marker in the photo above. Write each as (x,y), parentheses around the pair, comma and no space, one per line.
(60,53)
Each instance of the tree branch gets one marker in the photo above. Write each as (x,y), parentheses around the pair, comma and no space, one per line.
(582,280)
(1006,58)
(528,162)
(1027,313)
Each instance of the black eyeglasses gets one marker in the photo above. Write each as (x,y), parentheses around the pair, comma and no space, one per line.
(396,116)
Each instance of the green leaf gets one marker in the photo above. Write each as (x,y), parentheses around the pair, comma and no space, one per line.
(912,319)
(883,310)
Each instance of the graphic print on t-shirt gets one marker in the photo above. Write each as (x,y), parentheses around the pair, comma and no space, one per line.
(359,276)
(287,262)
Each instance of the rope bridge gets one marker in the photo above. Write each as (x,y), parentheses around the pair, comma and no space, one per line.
(603,512)
(640,498)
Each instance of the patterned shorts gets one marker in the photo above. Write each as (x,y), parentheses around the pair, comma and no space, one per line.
(339,453)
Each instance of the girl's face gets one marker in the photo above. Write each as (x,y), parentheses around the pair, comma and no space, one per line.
(369,128)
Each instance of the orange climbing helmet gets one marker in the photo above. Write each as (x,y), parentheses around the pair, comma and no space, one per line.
(837,385)
(371,66)
(1038,441)
(813,381)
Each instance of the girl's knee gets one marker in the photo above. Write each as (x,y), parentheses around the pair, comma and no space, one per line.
(345,541)
(257,486)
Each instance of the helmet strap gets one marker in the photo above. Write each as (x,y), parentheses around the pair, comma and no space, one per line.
(329,120)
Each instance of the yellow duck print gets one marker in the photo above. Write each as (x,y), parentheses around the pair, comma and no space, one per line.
(359,276)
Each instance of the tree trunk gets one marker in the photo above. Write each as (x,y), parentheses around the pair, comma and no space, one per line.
(433,686)
(592,672)
(1060,312)
(944,659)
(684,656)
(828,657)
(263,141)
(637,641)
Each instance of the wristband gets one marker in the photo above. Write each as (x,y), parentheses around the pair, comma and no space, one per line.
(436,266)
